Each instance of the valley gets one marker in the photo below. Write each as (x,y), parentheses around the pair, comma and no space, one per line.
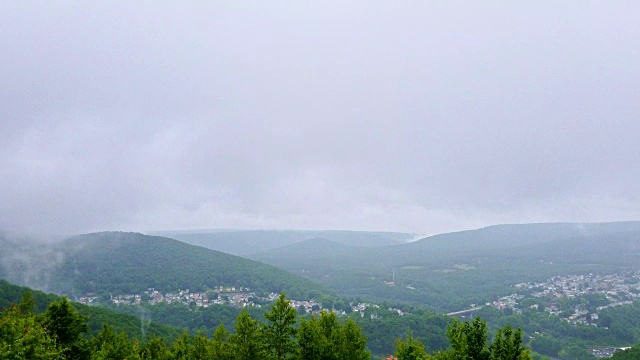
(448,272)
(571,288)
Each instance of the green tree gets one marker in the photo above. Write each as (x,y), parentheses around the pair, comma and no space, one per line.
(468,340)
(22,336)
(280,331)
(180,350)
(507,345)
(245,343)
(220,347)
(311,340)
(200,347)
(329,324)
(410,348)
(324,338)
(320,337)
(27,303)
(155,349)
(66,325)
(108,345)
(350,343)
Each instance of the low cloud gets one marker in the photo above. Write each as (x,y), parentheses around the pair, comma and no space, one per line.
(407,117)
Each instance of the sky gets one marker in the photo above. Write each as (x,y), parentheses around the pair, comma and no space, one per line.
(410,116)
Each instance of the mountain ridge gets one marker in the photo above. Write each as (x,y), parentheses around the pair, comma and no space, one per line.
(126,262)
(450,271)
(245,242)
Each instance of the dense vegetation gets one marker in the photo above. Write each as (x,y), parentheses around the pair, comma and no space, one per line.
(132,324)
(130,263)
(442,273)
(381,326)
(556,338)
(58,334)
(544,334)
(547,335)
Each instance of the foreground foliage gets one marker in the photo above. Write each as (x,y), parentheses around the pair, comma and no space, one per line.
(95,317)
(469,342)
(60,332)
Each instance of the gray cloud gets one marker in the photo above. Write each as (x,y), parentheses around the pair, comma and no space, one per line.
(414,116)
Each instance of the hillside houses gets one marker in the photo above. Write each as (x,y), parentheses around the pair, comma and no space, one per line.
(222,295)
(231,296)
(228,295)
(573,297)
(126,299)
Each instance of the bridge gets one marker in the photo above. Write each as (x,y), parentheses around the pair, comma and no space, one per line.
(464,312)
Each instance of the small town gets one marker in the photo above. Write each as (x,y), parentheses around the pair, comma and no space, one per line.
(575,298)
(231,296)
(228,295)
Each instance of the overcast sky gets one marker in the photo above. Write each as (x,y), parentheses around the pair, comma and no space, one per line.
(416,116)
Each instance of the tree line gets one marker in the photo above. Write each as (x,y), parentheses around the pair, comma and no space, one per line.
(60,333)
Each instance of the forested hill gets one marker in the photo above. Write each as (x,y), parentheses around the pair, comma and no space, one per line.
(449,272)
(517,235)
(119,263)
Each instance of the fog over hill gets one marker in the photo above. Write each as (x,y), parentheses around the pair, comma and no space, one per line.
(118,262)
(245,242)
(516,235)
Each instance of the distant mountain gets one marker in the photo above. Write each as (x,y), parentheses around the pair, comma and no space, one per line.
(450,271)
(120,262)
(437,249)
(308,251)
(517,235)
(245,242)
